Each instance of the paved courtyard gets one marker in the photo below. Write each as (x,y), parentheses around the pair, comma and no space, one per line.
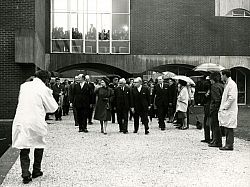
(162,158)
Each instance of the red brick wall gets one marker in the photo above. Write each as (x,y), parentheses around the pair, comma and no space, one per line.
(14,14)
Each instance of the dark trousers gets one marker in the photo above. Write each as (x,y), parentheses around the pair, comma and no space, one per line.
(82,115)
(65,110)
(229,132)
(90,114)
(112,113)
(162,112)
(75,116)
(171,110)
(122,118)
(58,113)
(207,127)
(144,120)
(216,133)
(25,161)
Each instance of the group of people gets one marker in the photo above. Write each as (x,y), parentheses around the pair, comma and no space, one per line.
(171,100)
(220,110)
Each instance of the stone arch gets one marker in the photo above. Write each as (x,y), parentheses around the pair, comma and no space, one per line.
(98,67)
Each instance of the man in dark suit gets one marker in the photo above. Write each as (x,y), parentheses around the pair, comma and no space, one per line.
(161,101)
(57,88)
(122,105)
(140,104)
(71,98)
(92,87)
(113,86)
(82,99)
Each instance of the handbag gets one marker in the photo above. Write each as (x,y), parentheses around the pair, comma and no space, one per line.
(108,106)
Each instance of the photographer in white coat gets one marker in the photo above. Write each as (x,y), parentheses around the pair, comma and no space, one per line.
(228,111)
(29,125)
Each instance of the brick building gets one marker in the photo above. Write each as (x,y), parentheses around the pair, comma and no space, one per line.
(162,34)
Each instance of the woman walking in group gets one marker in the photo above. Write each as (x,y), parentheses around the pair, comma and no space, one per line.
(102,110)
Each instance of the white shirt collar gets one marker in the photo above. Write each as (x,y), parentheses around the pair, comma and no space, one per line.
(139,88)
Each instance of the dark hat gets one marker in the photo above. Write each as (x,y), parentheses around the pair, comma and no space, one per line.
(106,80)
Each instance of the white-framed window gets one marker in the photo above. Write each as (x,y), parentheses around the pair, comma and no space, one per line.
(90,26)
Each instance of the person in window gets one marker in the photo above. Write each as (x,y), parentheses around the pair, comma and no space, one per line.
(29,125)
(103,109)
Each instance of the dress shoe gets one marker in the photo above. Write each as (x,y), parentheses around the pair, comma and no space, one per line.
(226,148)
(205,141)
(163,129)
(105,133)
(80,130)
(90,123)
(85,130)
(125,132)
(135,132)
(146,132)
(37,174)
(26,180)
(183,128)
(215,145)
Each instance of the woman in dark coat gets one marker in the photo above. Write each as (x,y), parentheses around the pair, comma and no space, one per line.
(102,110)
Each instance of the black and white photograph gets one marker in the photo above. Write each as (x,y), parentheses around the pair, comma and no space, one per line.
(124,93)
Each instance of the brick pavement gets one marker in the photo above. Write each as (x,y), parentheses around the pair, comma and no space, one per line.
(162,158)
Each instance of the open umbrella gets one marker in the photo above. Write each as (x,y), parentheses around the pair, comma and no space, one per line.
(184,78)
(209,67)
(168,74)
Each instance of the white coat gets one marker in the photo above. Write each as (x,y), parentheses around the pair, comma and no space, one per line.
(228,111)
(29,125)
(182,100)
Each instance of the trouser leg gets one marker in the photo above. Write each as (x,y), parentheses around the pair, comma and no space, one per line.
(217,132)
(125,122)
(229,136)
(90,114)
(25,162)
(144,119)
(80,118)
(75,116)
(38,155)
(161,117)
(119,120)
(136,122)
(206,128)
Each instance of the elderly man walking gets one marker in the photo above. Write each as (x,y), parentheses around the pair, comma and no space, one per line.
(228,111)
(29,125)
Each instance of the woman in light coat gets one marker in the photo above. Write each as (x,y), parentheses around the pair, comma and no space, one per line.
(228,111)
(29,125)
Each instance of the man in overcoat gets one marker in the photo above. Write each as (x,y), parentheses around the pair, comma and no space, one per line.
(122,105)
(161,101)
(83,99)
(140,104)
(228,111)
(29,126)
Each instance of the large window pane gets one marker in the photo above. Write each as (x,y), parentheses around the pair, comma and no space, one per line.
(77,26)
(91,6)
(77,46)
(60,46)
(104,47)
(90,26)
(90,47)
(104,26)
(120,26)
(120,47)
(60,28)
(59,5)
(120,6)
(104,6)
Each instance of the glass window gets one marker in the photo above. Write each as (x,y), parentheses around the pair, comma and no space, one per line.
(120,6)
(77,26)
(60,46)
(59,5)
(120,26)
(120,47)
(60,29)
(104,26)
(90,26)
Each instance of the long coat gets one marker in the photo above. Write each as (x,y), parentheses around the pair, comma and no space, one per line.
(29,125)
(182,100)
(103,107)
(228,111)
